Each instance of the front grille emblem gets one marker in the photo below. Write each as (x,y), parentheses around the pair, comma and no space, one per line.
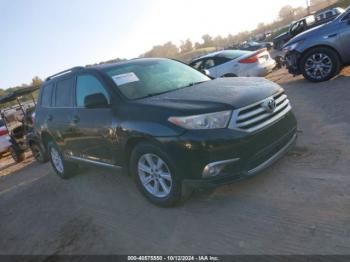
(269,105)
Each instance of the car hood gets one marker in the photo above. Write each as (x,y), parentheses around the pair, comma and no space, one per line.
(318,30)
(217,94)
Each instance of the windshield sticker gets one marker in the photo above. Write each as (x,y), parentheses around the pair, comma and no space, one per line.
(125,78)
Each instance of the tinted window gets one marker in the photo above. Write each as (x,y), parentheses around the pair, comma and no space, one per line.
(88,85)
(221,60)
(329,14)
(196,64)
(46,95)
(209,63)
(63,95)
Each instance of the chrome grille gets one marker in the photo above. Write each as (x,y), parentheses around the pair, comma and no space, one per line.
(256,116)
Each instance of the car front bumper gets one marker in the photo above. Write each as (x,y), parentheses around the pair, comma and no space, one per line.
(228,178)
(245,154)
(292,62)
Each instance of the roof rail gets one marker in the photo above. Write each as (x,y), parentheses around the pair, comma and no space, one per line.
(73,69)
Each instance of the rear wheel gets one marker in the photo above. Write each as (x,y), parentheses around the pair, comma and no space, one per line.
(320,64)
(155,174)
(63,168)
(38,153)
(17,154)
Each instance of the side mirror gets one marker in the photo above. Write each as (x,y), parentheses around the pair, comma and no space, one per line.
(206,71)
(97,100)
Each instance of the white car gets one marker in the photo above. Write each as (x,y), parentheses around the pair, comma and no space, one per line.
(231,63)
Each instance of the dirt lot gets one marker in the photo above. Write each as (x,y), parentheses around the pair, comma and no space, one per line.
(301,205)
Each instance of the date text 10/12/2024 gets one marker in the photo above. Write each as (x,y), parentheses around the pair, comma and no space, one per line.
(174,258)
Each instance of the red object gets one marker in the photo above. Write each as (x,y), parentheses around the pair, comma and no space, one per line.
(249,60)
(253,58)
(3,132)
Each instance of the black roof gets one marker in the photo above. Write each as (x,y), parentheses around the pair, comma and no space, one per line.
(17,93)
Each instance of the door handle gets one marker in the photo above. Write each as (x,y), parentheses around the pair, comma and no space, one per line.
(75,119)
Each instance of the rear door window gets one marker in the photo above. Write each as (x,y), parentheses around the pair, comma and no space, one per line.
(221,60)
(46,95)
(196,64)
(64,93)
(208,63)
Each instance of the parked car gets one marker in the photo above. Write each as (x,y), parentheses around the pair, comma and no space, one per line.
(232,63)
(296,28)
(252,46)
(321,52)
(5,142)
(171,126)
(329,13)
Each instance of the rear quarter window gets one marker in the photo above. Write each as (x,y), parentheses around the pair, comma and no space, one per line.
(46,95)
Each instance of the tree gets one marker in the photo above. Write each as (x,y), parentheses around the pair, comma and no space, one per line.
(287,13)
(300,12)
(186,46)
(197,45)
(168,50)
(207,41)
(219,41)
(36,81)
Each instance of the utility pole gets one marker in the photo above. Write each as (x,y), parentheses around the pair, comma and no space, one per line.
(308,7)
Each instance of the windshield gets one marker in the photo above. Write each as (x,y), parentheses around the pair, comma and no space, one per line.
(151,77)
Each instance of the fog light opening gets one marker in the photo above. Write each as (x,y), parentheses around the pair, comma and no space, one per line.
(214,169)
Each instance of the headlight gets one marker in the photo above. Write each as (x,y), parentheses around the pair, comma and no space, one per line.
(204,121)
(293,46)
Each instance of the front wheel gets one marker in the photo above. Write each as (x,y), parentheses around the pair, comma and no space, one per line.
(320,64)
(156,175)
(38,153)
(63,168)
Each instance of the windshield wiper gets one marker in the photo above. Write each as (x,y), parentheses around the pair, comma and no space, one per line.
(168,91)
(194,83)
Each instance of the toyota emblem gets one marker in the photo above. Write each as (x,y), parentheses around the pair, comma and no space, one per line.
(270,105)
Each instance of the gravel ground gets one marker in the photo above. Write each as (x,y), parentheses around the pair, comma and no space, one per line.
(298,206)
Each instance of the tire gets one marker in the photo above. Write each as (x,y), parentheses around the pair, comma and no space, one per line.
(320,64)
(148,178)
(64,169)
(17,155)
(38,153)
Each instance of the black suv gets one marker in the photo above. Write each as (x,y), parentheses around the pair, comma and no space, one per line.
(170,125)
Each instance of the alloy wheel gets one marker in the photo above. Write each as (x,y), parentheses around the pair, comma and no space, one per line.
(318,66)
(155,175)
(56,160)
